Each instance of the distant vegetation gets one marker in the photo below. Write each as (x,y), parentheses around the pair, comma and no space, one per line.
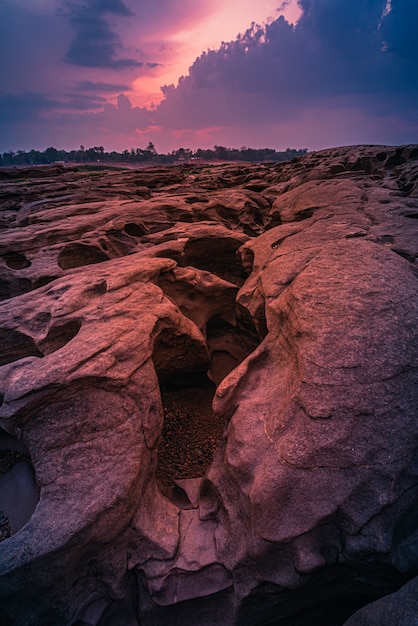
(146,155)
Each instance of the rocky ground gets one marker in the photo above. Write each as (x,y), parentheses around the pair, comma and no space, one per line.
(208,393)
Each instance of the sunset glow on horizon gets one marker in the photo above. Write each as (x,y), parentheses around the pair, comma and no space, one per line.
(121,73)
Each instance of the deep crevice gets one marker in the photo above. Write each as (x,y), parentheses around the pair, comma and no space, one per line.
(188,372)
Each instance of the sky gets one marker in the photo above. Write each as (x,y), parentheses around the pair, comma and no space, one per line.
(195,73)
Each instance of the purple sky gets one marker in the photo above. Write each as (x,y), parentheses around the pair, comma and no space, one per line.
(121,73)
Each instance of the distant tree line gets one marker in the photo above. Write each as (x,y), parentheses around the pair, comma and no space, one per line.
(144,155)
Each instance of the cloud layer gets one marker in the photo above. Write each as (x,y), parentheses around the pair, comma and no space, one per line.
(345,73)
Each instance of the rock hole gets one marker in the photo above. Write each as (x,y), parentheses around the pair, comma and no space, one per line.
(58,336)
(79,254)
(43,280)
(396,159)
(16,261)
(188,373)
(135,230)
(381,156)
(19,493)
(12,288)
(218,256)
(304,215)
(16,345)
(413,216)
(191,431)
(195,199)
(363,164)
(119,243)
(228,346)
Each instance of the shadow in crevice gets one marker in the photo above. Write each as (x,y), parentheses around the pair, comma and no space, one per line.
(188,372)
(58,336)
(330,597)
(229,345)
(16,345)
(218,256)
(16,260)
(190,431)
(19,493)
(77,254)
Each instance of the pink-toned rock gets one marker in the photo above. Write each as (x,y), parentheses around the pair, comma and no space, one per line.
(289,288)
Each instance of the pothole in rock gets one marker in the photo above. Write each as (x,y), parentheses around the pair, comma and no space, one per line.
(188,373)
(19,493)
(218,256)
(135,230)
(191,431)
(16,287)
(16,345)
(58,336)
(79,254)
(16,261)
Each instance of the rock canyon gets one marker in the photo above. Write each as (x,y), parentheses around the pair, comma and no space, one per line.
(209,393)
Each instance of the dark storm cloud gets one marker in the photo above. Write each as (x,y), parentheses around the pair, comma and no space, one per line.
(31,106)
(95,43)
(340,53)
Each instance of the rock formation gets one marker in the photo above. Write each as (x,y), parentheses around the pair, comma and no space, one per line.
(208,387)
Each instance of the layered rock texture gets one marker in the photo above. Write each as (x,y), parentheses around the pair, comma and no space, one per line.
(209,385)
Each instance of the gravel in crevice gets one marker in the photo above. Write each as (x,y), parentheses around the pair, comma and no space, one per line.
(190,435)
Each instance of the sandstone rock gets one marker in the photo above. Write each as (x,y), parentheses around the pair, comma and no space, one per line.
(397,608)
(129,298)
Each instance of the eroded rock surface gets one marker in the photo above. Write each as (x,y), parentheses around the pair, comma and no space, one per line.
(209,385)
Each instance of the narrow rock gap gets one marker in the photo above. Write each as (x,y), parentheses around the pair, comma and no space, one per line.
(191,431)
(188,373)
